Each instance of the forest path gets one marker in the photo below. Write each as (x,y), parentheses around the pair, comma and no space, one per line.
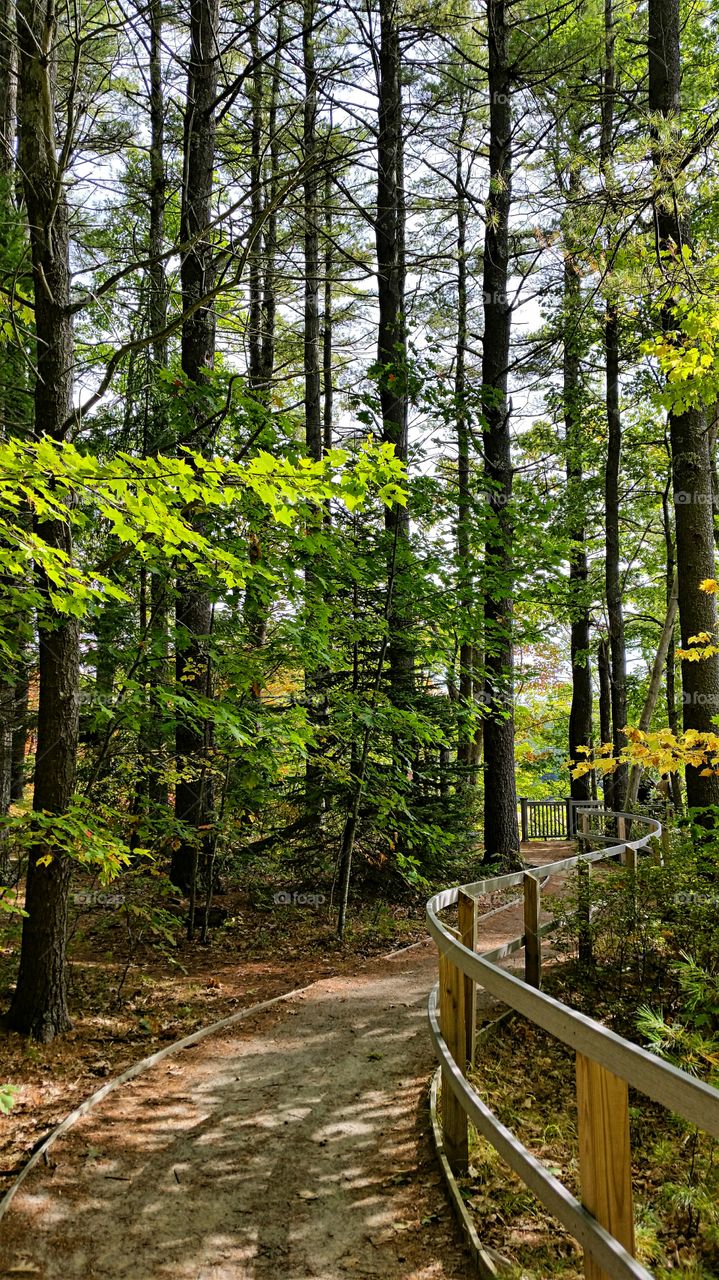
(295,1146)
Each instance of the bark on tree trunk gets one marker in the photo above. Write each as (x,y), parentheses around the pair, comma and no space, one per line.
(19,735)
(8,88)
(392,335)
(617,666)
(655,683)
(256,201)
(264,191)
(691,464)
(193,610)
(154,613)
(501,832)
(8,130)
(671,667)
(465,593)
(269,287)
(7,704)
(613,585)
(316,699)
(605,712)
(713,420)
(580,715)
(313,381)
(327,321)
(39,1005)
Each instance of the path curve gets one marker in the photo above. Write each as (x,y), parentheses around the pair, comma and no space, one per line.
(297,1146)
(294,1145)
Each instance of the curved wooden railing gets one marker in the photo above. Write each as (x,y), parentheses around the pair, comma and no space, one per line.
(606,1063)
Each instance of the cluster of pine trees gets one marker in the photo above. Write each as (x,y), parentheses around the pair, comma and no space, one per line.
(354,357)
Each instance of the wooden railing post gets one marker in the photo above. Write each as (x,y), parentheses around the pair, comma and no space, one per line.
(583,823)
(532,943)
(455,1130)
(569,810)
(665,841)
(622,835)
(605,1168)
(524,810)
(584,912)
(630,864)
(467,920)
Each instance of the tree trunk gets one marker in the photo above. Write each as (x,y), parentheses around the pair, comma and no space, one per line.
(154,596)
(691,464)
(8,130)
(269,288)
(8,89)
(475,754)
(713,419)
(465,584)
(256,201)
(158,193)
(19,734)
(605,712)
(580,715)
(501,833)
(39,1005)
(7,706)
(316,699)
(193,610)
(263,292)
(655,683)
(312,368)
(392,337)
(612,576)
(327,321)
(671,662)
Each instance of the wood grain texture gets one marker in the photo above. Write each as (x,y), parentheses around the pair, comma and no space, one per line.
(467,920)
(557,1199)
(532,944)
(451,1005)
(605,1155)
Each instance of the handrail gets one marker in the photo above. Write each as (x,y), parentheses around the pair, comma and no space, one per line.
(546,819)
(696,1101)
(545,1185)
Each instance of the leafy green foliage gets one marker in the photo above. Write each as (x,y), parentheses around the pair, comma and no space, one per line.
(80,834)
(8,1094)
(148,504)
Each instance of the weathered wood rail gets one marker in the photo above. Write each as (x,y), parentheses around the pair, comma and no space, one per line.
(546,819)
(606,1064)
(552,819)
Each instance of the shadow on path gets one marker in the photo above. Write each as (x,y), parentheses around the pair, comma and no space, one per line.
(295,1147)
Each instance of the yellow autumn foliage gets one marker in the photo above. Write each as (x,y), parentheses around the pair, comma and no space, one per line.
(661,751)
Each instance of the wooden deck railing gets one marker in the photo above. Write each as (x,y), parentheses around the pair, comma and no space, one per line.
(606,1064)
(551,819)
(546,819)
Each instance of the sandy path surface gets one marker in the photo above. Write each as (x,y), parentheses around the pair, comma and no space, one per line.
(296,1146)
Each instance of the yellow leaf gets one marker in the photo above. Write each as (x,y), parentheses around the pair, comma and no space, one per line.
(635,735)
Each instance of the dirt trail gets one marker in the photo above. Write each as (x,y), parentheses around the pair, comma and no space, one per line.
(296,1146)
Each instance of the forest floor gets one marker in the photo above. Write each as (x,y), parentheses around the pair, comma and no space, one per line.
(130,997)
(297,1143)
